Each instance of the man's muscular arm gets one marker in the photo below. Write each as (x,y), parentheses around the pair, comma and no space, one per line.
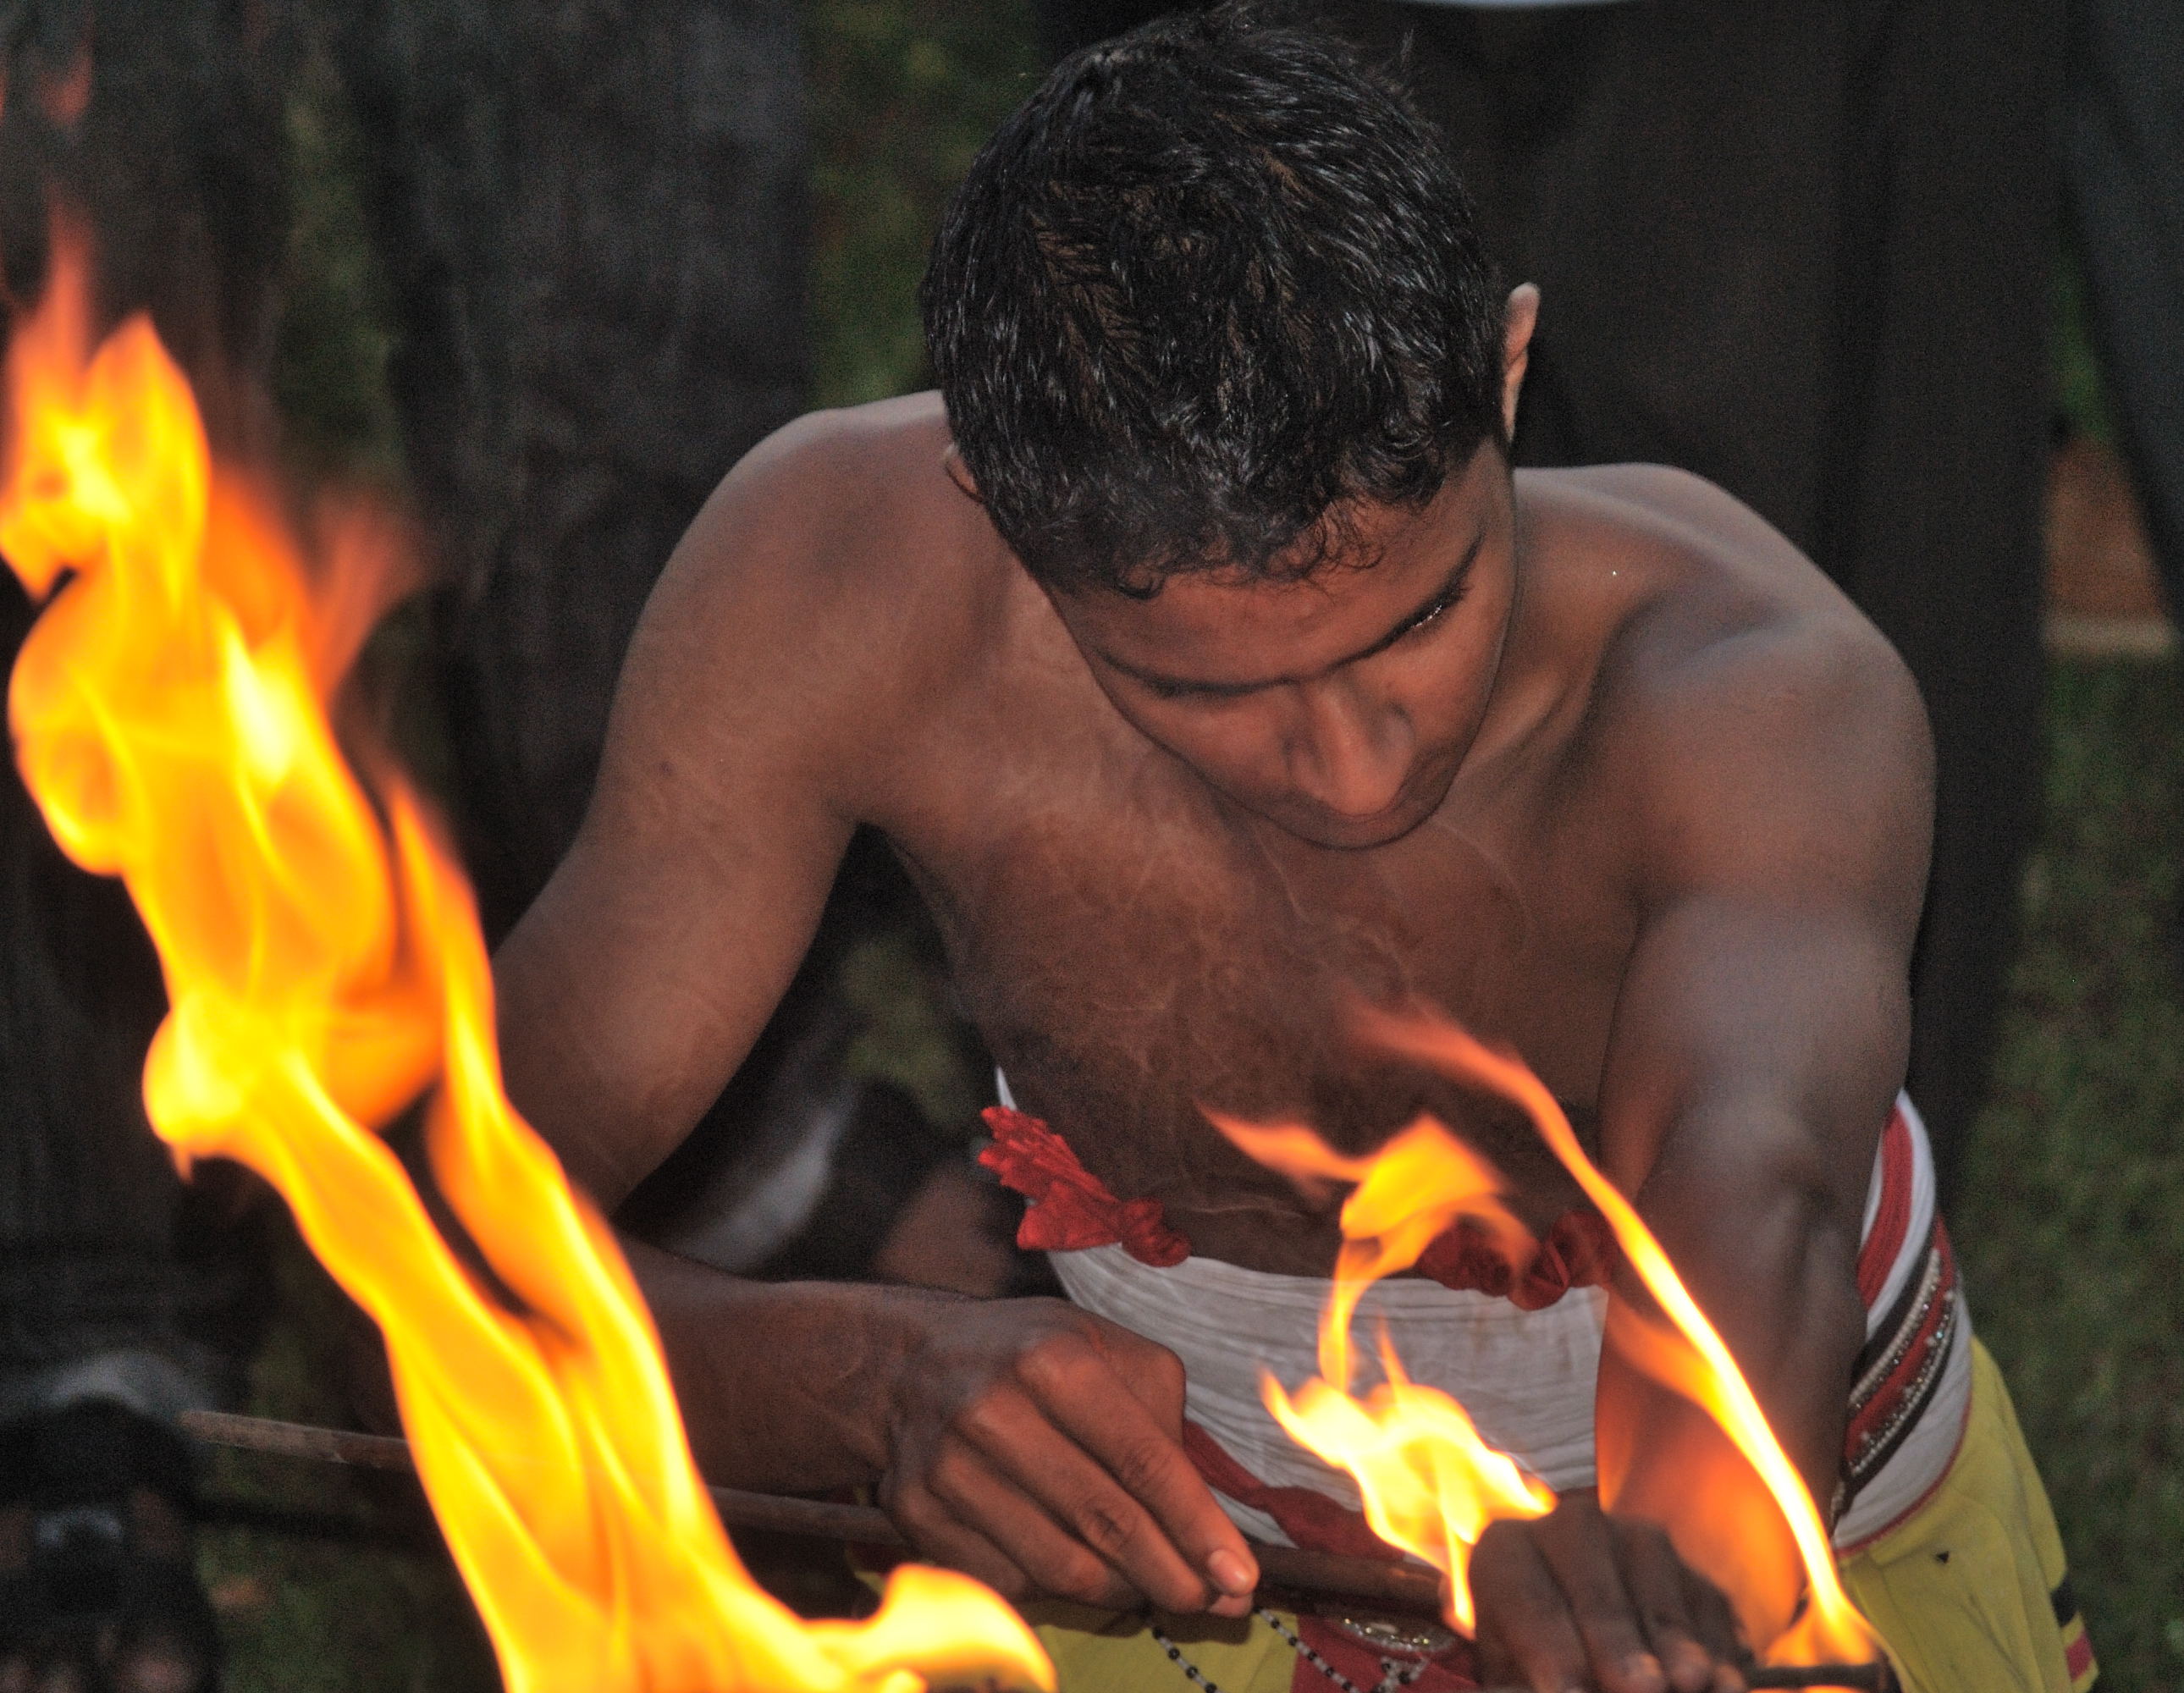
(769,700)
(1759,1037)
(724,798)
(643,974)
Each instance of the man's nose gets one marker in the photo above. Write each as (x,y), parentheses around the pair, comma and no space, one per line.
(1348,752)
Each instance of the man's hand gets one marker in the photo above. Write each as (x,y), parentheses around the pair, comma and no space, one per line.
(1039,1448)
(1579,1599)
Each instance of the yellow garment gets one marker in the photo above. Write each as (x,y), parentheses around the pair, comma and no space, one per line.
(1099,1651)
(1963,1592)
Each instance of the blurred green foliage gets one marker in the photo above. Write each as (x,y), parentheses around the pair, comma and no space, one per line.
(905,1034)
(2071,1229)
(333,338)
(903,92)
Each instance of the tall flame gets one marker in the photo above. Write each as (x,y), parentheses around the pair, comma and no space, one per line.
(1831,1629)
(324,970)
(1429,1483)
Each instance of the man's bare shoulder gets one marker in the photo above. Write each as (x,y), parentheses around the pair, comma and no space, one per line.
(838,578)
(1731,673)
(1692,595)
(851,509)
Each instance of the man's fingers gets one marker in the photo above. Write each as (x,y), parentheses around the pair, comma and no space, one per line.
(941,1537)
(1077,1427)
(1580,1545)
(975,1491)
(1088,1498)
(1715,1621)
(1524,1625)
(1155,1474)
(1655,1577)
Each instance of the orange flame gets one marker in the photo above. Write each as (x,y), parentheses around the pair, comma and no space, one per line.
(1409,1192)
(1429,1484)
(324,968)
(1831,1629)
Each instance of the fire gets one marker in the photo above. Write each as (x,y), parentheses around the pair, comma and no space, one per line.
(1409,1192)
(326,972)
(1429,1484)
(1694,1361)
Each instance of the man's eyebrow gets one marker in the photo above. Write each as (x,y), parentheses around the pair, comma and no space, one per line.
(1451,590)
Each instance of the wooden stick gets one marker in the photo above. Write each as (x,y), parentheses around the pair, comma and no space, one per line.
(1288,1575)
(1407,1587)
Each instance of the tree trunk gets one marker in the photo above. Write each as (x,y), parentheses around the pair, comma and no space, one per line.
(593,221)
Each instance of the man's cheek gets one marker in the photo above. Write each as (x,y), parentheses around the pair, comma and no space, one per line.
(1240,759)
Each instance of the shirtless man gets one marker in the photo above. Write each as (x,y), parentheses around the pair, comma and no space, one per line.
(1211,673)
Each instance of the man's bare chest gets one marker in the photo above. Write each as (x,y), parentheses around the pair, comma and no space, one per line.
(1132,950)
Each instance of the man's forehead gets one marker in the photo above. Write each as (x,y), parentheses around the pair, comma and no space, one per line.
(1196,609)
(1220,630)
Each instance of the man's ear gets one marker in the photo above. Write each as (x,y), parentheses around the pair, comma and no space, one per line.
(959,474)
(1522,318)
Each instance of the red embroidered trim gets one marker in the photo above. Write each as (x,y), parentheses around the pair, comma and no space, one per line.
(1453,1671)
(1915,1353)
(1072,1208)
(1579,1251)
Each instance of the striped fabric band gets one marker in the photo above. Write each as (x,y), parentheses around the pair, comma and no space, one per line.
(1912,1386)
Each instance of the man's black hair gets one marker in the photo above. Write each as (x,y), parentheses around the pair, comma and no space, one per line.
(1214,279)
